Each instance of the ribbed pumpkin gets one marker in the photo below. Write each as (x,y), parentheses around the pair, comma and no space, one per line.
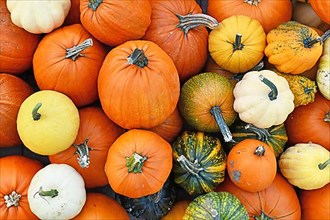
(238,44)
(182,35)
(206,103)
(138,85)
(274,136)
(199,162)
(216,205)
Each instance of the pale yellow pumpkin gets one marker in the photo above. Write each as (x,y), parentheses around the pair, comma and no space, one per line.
(306,165)
(323,72)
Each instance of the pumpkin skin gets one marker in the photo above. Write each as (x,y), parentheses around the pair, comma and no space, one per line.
(291,47)
(278,201)
(138,163)
(215,205)
(16,174)
(182,32)
(251,165)
(315,203)
(99,206)
(13,91)
(204,99)
(73,16)
(199,162)
(270,13)
(177,211)
(115,22)
(59,66)
(274,136)
(95,136)
(321,8)
(238,44)
(15,54)
(137,94)
(310,123)
(306,165)
(323,71)
(53,125)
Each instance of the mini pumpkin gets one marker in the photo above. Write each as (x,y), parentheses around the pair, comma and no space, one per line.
(263,98)
(323,71)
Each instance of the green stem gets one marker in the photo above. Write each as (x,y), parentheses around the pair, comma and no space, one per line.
(327,117)
(237,45)
(83,154)
(193,168)
(74,52)
(35,115)
(262,133)
(52,193)
(135,162)
(259,151)
(12,199)
(138,58)
(262,216)
(324,165)
(273,93)
(252,2)
(216,113)
(94,4)
(308,43)
(189,21)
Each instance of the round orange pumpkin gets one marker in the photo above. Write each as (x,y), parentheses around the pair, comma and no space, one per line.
(322,9)
(251,165)
(90,149)
(138,163)
(13,91)
(138,85)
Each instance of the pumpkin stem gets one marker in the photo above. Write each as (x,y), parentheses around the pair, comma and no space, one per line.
(262,216)
(273,93)
(237,45)
(138,58)
(252,2)
(324,165)
(35,115)
(52,193)
(135,162)
(259,151)
(94,4)
(74,52)
(262,133)
(193,168)
(216,113)
(12,199)
(308,43)
(189,21)
(83,153)
(327,117)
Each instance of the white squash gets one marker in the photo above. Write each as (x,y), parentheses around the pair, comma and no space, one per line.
(57,191)
(38,16)
(323,71)
(263,98)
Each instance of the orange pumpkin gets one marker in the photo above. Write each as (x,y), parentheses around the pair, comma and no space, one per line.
(177,211)
(251,165)
(99,206)
(138,85)
(13,91)
(17,45)
(16,173)
(115,22)
(90,149)
(138,163)
(68,60)
(322,9)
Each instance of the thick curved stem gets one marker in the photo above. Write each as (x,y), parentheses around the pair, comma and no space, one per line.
(83,154)
(12,199)
(308,43)
(216,113)
(237,45)
(193,168)
(138,58)
(35,114)
(262,133)
(260,151)
(135,162)
(94,4)
(51,193)
(324,165)
(187,22)
(74,52)
(273,93)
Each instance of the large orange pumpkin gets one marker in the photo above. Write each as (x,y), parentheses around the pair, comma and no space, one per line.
(138,163)
(182,35)
(90,149)
(115,22)
(68,60)
(322,9)
(138,85)
(17,45)
(278,201)
(16,173)
(13,91)
(270,13)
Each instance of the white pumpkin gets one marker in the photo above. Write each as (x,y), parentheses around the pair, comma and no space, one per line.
(263,98)
(57,191)
(38,16)
(323,71)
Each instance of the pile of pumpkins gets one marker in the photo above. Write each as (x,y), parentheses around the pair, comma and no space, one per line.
(165,109)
